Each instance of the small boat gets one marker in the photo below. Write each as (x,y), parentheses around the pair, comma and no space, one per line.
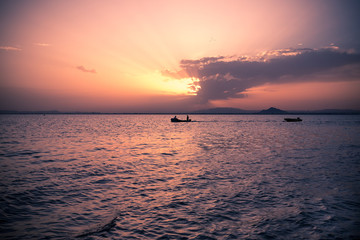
(175,119)
(293,119)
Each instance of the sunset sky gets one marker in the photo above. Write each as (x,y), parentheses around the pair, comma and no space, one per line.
(160,56)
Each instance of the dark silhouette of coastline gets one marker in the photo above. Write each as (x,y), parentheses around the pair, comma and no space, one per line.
(224,111)
(216,111)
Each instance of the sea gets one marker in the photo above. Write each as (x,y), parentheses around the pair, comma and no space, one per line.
(144,177)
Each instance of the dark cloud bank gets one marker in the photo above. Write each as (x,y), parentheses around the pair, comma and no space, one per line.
(83,69)
(221,78)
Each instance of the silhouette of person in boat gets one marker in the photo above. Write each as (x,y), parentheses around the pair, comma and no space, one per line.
(175,119)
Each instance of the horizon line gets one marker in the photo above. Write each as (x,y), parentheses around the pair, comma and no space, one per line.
(198,112)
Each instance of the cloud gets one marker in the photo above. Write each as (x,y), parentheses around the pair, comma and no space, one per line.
(178,75)
(83,69)
(9,48)
(190,68)
(42,44)
(223,78)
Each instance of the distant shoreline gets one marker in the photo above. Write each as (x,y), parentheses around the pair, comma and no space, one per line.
(177,113)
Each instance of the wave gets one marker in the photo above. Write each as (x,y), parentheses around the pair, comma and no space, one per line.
(99,228)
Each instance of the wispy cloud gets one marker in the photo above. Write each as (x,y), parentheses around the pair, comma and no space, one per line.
(223,78)
(83,69)
(42,44)
(9,48)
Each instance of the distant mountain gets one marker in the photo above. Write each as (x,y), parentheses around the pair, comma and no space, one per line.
(223,111)
(272,110)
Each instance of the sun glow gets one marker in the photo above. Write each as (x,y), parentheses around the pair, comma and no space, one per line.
(171,86)
(187,86)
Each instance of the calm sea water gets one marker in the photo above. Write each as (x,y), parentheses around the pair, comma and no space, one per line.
(143,177)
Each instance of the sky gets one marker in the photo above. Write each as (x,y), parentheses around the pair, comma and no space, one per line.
(186,55)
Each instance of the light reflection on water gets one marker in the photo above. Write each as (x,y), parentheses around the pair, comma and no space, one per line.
(143,177)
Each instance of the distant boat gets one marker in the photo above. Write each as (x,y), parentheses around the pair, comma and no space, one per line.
(293,119)
(175,119)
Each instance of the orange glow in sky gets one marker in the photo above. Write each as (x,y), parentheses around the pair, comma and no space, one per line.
(117,56)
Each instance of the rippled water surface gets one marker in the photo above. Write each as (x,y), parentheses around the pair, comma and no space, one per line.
(143,177)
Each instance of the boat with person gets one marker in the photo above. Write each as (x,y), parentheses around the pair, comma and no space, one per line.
(293,119)
(175,119)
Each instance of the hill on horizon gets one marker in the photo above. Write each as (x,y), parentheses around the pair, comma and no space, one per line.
(273,110)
